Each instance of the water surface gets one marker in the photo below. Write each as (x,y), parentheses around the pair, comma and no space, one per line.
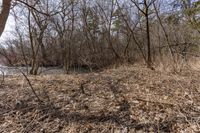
(42,70)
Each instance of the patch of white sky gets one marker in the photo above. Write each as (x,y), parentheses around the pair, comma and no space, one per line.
(11,23)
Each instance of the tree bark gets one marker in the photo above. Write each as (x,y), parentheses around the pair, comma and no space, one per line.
(4,14)
(149,60)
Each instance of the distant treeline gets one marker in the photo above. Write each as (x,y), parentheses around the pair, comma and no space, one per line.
(97,34)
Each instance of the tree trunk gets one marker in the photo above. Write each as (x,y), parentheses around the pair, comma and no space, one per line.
(4,14)
(149,60)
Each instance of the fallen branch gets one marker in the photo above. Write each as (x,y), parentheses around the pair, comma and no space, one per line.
(155,102)
(29,82)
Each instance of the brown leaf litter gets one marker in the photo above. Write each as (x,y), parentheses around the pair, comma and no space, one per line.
(128,99)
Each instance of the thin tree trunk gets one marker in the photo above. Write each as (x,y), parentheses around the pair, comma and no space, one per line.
(34,62)
(149,60)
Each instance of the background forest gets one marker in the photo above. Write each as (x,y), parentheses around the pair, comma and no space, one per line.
(96,34)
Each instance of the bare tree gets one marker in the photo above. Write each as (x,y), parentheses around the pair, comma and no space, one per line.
(131,26)
(165,32)
(145,10)
(95,34)
(107,15)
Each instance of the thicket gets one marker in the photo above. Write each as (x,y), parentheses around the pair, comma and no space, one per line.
(95,34)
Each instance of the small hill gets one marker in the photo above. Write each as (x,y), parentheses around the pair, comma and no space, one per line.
(128,99)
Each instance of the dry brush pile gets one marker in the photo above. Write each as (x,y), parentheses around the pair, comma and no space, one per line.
(124,100)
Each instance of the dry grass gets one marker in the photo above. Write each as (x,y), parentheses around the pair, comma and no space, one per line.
(127,99)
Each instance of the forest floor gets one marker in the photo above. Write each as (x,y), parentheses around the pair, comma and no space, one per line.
(128,99)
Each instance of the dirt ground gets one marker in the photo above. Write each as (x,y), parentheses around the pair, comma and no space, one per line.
(128,99)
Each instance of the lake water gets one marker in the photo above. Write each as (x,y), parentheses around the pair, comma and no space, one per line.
(42,70)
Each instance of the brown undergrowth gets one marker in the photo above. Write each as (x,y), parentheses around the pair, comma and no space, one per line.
(128,99)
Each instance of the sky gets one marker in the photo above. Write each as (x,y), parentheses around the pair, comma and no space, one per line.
(10,25)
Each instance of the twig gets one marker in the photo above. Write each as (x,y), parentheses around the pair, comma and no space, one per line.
(3,77)
(83,89)
(32,7)
(33,90)
(155,102)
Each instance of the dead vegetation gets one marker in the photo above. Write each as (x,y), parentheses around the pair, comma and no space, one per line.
(127,99)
